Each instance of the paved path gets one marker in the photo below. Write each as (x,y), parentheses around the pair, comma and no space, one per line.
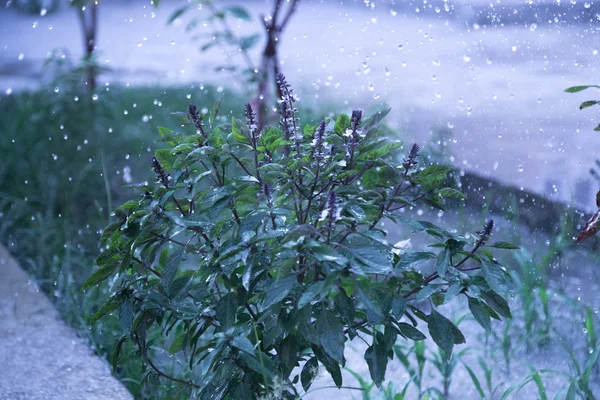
(40,357)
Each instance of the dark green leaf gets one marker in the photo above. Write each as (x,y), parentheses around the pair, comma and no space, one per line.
(377,359)
(225,311)
(331,335)
(499,281)
(505,245)
(99,276)
(480,313)
(497,303)
(279,290)
(441,331)
(309,373)
(410,331)
(443,262)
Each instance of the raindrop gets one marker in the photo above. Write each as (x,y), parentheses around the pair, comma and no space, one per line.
(400,47)
(376,96)
(43,12)
(34,25)
(532,27)
(520,168)
(94,97)
(21,57)
(466,58)
(56,90)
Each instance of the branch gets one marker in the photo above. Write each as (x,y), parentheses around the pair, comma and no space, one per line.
(159,372)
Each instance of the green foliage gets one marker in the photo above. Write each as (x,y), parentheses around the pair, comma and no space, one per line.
(257,253)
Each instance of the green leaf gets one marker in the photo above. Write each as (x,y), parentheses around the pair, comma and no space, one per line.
(214,111)
(505,245)
(239,132)
(344,305)
(331,335)
(499,281)
(332,366)
(288,354)
(165,158)
(177,13)
(225,311)
(238,12)
(374,256)
(99,276)
(341,124)
(443,262)
(126,315)
(408,259)
(409,331)
(377,359)
(453,193)
(481,315)
(279,290)
(177,343)
(588,103)
(115,353)
(497,303)
(248,42)
(426,292)
(440,329)
(309,373)
(575,89)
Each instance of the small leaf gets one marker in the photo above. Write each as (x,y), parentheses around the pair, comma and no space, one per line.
(99,276)
(505,245)
(177,13)
(309,372)
(588,103)
(238,12)
(214,111)
(410,331)
(575,89)
(453,193)
(443,262)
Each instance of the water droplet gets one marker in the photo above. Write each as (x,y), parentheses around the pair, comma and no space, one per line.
(520,168)
(400,47)
(34,25)
(376,96)
(532,27)
(56,90)
(21,57)
(466,58)
(43,12)
(94,97)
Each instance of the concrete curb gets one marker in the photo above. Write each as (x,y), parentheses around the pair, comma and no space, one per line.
(41,357)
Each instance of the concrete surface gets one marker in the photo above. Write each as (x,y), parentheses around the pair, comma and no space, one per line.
(40,357)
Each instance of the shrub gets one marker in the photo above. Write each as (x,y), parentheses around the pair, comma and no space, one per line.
(260,253)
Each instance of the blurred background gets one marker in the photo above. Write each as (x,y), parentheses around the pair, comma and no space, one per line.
(479,84)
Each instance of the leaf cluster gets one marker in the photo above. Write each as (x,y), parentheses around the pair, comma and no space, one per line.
(260,254)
